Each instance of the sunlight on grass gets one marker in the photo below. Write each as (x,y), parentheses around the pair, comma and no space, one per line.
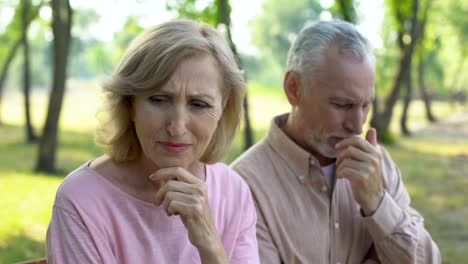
(26,206)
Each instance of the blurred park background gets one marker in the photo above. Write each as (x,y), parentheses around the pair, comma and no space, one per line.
(54,52)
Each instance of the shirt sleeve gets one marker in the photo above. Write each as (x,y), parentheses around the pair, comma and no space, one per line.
(397,229)
(69,241)
(246,246)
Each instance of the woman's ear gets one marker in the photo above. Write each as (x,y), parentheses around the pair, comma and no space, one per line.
(292,87)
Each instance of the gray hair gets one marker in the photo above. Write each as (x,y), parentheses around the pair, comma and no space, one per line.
(306,53)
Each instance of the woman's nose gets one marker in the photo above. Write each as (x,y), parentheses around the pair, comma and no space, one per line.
(177,122)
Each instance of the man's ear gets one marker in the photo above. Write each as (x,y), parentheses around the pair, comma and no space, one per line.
(293,89)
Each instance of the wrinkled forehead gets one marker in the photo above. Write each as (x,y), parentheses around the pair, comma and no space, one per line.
(195,75)
(346,76)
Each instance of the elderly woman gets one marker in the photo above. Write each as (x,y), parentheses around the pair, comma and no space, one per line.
(159,195)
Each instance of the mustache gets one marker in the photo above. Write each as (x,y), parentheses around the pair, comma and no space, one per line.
(342,135)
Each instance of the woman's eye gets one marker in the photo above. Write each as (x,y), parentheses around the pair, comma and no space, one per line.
(156,99)
(199,104)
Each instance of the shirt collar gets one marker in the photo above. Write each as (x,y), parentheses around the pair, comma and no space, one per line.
(295,156)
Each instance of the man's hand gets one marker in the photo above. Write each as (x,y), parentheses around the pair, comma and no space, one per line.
(359,161)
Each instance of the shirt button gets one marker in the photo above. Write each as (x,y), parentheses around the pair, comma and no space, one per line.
(312,162)
(301,178)
(324,188)
(337,225)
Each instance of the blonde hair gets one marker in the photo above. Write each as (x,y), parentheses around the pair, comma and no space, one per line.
(145,68)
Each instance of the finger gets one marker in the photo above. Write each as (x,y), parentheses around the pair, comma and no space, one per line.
(348,173)
(355,141)
(371,136)
(176,196)
(359,166)
(176,173)
(351,152)
(184,210)
(177,186)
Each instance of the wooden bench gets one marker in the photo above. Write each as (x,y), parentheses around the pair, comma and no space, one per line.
(36,261)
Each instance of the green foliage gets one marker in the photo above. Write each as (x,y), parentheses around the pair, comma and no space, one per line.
(88,58)
(456,15)
(280,21)
(455,41)
(124,37)
(345,10)
(101,59)
(402,12)
(194,10)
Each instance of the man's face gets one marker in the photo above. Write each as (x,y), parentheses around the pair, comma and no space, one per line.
(335,103)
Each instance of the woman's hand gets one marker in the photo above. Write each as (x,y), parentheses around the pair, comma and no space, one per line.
(183,194)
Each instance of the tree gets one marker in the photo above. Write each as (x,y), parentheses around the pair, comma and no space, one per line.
(421,22)
(30,135)
(13,38)
(61,27)
(406,15)
(456,15)
(278,25)
(346,10)
(224,17)
(422,57)
(130,30)
(6,66)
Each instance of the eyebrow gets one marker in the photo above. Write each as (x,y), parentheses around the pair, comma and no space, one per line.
(348,100)
(342,100)
(194,95)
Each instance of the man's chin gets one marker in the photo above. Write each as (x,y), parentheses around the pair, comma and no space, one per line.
(328,152)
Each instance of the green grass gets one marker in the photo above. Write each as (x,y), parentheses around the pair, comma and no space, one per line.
(433,163)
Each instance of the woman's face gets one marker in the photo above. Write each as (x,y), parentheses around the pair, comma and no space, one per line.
(175,124)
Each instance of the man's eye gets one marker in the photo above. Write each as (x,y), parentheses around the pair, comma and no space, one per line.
(343,106)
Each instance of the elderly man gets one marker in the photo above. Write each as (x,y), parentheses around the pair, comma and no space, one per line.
(323,193)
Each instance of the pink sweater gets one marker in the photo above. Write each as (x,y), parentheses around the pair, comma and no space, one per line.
(95,222)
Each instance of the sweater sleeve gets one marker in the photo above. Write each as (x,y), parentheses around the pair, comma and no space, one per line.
(397,229)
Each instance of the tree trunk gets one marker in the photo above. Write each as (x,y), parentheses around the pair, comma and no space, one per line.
(5,68)
(226,20)
(405,65)
(421,63)
(61,27)
(11,55)
(422,88)
(456,79)
(30,135)
(406,104)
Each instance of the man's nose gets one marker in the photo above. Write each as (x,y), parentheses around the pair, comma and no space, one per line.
(177,122)
(354,121)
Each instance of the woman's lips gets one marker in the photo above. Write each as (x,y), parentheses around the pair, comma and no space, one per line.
(175,147)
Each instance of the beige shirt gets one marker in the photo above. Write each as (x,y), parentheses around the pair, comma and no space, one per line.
(301,219)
